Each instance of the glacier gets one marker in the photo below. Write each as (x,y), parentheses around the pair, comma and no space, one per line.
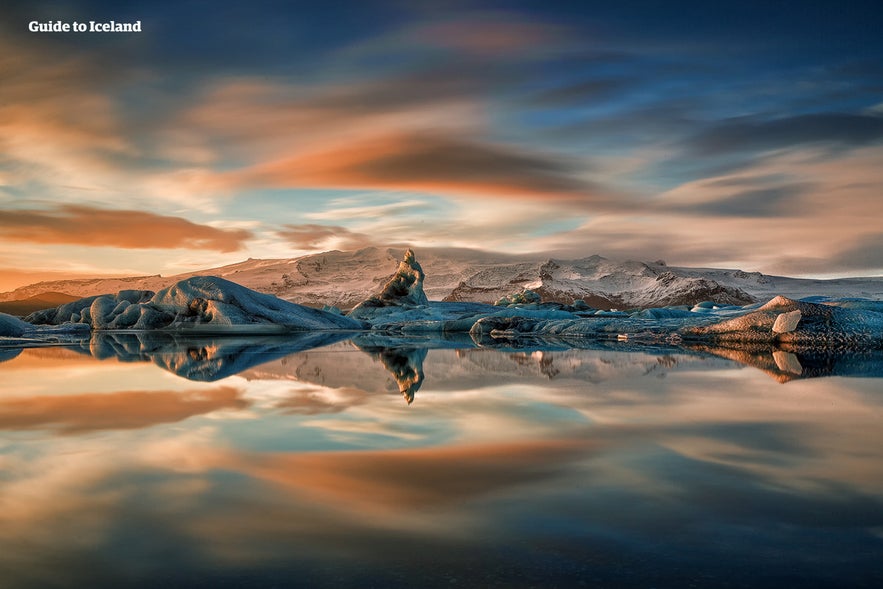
(344,279)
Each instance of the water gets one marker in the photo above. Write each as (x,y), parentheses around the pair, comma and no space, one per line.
(143,462)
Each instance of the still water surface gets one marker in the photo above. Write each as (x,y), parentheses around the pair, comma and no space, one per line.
(245,463)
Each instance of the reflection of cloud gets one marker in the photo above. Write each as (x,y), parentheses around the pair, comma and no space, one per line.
(317,401)
(509,471)
(87,412)
(84,225)
(420,478)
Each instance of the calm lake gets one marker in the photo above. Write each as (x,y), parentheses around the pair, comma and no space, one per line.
(133,462)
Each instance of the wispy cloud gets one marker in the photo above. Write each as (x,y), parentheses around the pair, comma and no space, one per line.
(758,218)
(843,130)
(131,229)
(434,163)
(312,236)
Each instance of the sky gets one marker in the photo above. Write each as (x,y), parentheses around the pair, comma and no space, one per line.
(741,134)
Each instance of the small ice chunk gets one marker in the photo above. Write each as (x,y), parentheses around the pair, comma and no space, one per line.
(787,322)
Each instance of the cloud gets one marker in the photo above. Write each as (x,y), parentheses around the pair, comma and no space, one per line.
(490,34)
(432,162)
(863,252)
(583,92)
(84,225)
(773,201)
(87,412)
(312,236)
(792,212)
(858,254)
(751,133)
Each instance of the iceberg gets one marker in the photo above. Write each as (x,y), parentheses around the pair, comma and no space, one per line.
(783,322)
(404,289)
(202,304)
(15,332)
(791,324)
(13,326)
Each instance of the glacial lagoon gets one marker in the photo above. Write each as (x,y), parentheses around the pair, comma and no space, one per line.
(325,460)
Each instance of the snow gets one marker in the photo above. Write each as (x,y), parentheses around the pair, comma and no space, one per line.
(525,297)
(343,279)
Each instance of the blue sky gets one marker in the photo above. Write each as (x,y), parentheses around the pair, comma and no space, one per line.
(739,135)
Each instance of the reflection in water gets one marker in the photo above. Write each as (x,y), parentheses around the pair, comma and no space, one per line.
(209,359)
(788,365)
(78,413)
(404,364)
(522,466)
(203,359)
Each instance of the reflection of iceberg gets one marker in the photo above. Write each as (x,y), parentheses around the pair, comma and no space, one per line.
(787,365)
(9,353)
(511,358)
(204,359)
(452,365)
(404,364)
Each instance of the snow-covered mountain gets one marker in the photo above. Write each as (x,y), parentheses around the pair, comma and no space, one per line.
(344,279)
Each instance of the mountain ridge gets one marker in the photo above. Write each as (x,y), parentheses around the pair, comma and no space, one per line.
(346,278)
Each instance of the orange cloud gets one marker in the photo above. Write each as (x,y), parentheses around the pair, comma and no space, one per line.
(490,35)
(430,162)
(83,225)
(312,236)
(87,412)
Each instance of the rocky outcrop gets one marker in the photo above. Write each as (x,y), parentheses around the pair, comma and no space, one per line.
(404,289)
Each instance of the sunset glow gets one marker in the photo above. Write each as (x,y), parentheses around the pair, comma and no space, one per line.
(750,136)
